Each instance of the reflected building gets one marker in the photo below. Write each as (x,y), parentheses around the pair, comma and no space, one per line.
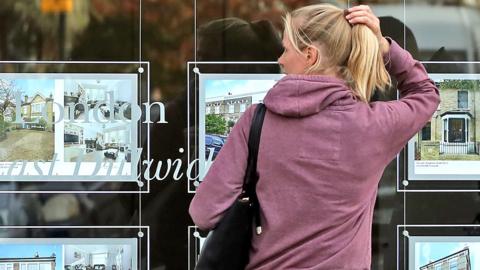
(32,112)
(229,107)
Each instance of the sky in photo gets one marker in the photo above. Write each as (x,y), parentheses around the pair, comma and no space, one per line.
(29,250)
(217,89)
(31,87)
(431,251)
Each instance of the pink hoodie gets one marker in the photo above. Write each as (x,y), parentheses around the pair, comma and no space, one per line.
(322,154)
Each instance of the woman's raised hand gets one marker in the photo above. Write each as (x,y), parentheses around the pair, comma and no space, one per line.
(363,14)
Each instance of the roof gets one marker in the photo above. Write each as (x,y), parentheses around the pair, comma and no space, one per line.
(33,97)
(35,259)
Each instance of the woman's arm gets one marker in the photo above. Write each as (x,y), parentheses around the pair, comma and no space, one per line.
(224,180)
(419,99)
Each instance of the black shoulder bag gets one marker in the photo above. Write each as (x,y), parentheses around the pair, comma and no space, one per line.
(228,245)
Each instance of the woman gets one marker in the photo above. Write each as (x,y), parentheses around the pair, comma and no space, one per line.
(324,146)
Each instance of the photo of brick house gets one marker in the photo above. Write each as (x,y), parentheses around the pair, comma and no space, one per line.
(453,133)
(29,136)
(31,111)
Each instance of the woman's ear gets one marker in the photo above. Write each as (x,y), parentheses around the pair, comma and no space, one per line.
(312,55)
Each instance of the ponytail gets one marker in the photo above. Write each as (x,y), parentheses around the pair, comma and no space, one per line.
(353,50)
(365,63)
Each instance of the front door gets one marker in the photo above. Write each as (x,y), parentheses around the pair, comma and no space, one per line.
(456,130)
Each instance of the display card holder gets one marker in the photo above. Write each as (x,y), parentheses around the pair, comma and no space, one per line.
(445,155)
(74,127)
(423,247)
(195,244)
(74,247)
(220,91)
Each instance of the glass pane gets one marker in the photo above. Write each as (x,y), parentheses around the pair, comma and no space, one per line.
(462,99)
(46,266)
(33,266)
(445,30)
(426,132)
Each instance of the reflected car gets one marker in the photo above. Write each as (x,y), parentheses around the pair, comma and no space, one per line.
(213,141)
(223,137)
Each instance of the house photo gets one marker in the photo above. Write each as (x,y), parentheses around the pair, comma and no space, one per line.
(33,138)
(30,257)
(444,252)
(453,133)
(459,260)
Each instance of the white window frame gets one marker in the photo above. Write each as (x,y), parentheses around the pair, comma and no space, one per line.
(447,117)
(36,107)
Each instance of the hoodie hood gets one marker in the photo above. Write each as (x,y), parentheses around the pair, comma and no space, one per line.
(304,95)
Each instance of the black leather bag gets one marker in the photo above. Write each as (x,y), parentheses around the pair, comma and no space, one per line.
(228,245)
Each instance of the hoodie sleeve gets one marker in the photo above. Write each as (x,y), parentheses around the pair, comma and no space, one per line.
(224,180)
(419,99)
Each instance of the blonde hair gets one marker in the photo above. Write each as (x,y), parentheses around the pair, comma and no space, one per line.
(353,51)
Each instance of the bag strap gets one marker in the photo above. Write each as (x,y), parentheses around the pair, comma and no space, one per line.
(251,175)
